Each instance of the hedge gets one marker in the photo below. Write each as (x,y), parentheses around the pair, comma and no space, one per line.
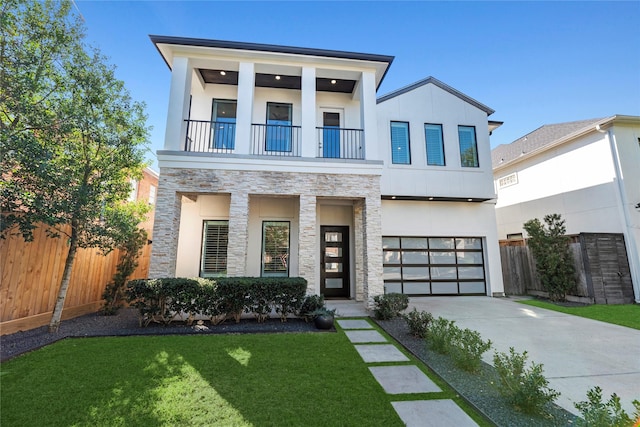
(165,300)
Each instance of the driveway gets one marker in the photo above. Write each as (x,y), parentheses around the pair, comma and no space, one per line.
(577,353)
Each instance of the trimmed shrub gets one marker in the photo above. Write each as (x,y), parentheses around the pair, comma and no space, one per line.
(595,412)
(390,305)
(441,334)
(526,389)
(290,297)
(466,348)
(418,322)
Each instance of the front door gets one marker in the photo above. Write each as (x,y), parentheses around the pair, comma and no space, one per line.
(334,256)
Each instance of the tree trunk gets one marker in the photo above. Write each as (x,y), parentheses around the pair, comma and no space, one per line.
(54,325)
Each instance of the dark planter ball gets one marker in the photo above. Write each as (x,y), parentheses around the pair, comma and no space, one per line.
(323,321)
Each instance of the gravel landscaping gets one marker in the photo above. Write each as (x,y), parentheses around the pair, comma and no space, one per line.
(477,389)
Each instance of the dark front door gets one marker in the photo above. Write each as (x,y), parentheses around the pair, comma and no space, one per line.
(334,256)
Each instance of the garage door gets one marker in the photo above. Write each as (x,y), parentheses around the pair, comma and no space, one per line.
(433,265)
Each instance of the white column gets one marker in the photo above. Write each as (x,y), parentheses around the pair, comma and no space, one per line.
(244,112)
(181,73)
(368,115)
(309,139)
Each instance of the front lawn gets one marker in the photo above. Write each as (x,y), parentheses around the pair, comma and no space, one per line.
(624,315)
(224,380)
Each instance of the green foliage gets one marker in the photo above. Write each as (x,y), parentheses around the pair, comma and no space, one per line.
(390,305)
(466,348)
(310,304)
(165,300)
(550,248)
(619,314)
(596,413)
(418,322)
(526,389)
(71,136)
(441,333)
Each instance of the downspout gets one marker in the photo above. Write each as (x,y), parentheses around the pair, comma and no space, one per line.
(632,249)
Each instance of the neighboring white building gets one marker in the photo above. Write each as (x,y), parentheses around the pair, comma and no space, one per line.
(588,171)
(277,162)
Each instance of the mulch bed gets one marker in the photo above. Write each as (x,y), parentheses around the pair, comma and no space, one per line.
(477,389)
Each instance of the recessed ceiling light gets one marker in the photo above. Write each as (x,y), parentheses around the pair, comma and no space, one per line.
(277,77)
(333,82)
(393,197)
(430,198)
(469,200)
(223,73)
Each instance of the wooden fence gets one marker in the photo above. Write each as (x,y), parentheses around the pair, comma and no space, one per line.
(31,272)
(600,260)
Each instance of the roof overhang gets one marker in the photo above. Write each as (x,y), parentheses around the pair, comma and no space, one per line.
(436,198)
(170,47)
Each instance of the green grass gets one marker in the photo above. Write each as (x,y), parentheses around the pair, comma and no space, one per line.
(624,315)
(221,380)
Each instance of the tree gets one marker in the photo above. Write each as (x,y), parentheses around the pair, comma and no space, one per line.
(71,136)
(550,248)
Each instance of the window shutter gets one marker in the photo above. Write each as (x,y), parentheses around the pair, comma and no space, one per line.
(214,248)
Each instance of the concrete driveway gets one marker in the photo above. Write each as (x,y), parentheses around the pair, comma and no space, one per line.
(577,353)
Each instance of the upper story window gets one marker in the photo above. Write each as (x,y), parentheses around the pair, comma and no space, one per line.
(133,194)
(152,194)
(223,118)
(468,146)
(400,151)
(278,135)
(435,144)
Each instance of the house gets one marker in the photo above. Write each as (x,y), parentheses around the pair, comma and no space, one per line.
(588,171)
(280,161)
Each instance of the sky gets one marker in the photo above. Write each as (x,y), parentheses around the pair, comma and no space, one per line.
(534,63)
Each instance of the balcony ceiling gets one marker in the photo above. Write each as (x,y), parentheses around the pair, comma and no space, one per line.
(277,81)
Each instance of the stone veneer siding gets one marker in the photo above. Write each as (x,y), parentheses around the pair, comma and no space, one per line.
(363,189)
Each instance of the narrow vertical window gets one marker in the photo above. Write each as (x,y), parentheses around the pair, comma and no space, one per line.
(223,122)
(275,248)
(215,239)
(468,146)
(435,144)
(152,194)
(278,127)
(400,153)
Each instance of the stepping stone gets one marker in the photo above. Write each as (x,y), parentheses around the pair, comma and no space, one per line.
(403,379)
(354,324)
(365,336)
(432,413)
(380,353)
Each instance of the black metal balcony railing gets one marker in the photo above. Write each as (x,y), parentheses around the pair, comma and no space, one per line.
(339,143)
(210,137)
(276,140)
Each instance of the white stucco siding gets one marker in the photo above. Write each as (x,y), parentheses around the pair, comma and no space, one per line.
(582,164)
(448,219)
(430,104)
(192,217)
(202,98)
(628,146)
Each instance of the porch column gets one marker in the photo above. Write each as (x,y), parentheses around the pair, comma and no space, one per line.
(238,234)
(179,96)
(308,261)
(244,112)
(309,140)
(368,115)
(166,227)
(373,283)
(359,248)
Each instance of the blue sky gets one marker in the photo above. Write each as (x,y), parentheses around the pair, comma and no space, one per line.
(533,62)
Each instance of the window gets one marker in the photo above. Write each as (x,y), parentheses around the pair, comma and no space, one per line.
(133,194)
(433,265)
(400,153)
(275,248)
(152,194)
(435,144)
(223,123)
(508,180)
(468,146)
(278,137)
(215,238)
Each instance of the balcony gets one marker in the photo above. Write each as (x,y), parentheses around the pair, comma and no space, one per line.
(278,140)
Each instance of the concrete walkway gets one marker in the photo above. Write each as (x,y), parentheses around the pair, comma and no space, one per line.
(402,378)
(577,353)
